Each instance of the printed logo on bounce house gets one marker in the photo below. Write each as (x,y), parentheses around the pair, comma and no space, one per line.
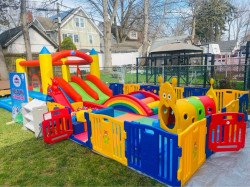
(16,80)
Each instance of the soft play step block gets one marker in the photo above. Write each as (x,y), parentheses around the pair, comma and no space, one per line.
(78,127)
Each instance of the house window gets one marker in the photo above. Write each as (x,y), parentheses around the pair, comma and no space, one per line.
(70,36)
(133,35)
(79,22)
(64,36)
(76,38)
(90,39)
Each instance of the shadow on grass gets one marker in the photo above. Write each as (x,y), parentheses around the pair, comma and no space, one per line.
(32,162)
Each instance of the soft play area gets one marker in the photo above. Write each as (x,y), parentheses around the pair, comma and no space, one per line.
(162,131)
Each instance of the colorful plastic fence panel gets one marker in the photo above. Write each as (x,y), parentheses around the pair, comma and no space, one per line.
(151,88)
(128,88)
(189,91)
(179,92)
(108,137)
(57,126)
(153,151)
(117,88)
(226,96)
(192,142)
(226,132)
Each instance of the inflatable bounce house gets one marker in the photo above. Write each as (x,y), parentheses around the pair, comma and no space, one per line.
(165,132)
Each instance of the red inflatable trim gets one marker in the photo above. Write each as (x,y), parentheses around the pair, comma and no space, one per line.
(68,89)
(66,53)
(102,86)
(92,105)
(85,87)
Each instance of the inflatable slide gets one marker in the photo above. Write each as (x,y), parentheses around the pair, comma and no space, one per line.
(92,90)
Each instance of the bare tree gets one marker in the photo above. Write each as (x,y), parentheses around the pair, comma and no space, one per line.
(25,29)
(145,30)
(3,67)
(108,21)
(194,5)
(247,30)
(241,23)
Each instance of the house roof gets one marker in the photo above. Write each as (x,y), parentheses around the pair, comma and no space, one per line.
(46,23)
(168,40)
(125,47)
(171,44)
(227,46)
(9,36)
(175,47)
(63,14)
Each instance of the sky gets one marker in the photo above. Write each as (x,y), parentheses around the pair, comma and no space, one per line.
(83,3)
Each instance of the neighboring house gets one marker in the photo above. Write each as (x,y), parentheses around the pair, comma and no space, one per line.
(46,25)
(75,24)
(228,47)
(132,44)
(226,52)
(212,48)
(12,40)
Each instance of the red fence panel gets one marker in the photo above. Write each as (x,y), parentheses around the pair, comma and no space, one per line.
(226,132)
(57,126)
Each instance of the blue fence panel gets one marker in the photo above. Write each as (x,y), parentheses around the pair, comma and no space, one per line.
(208,151)
(151,88)
(117,88)
(88,143)
(189,91)
(153,151)
(243,101)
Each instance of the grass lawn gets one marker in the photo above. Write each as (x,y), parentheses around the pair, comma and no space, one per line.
(27,161)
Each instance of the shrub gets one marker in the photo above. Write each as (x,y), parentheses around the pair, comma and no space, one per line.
(67,44)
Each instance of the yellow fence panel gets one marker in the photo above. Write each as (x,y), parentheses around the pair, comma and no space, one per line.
(108,137)
(179,92)
(233,106)
(128,88)
(225,96)
(193,143)
(52,106)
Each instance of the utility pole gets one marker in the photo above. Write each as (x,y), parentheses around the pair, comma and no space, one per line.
(59,26)
(25,29)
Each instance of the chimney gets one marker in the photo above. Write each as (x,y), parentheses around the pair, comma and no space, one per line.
(29,16)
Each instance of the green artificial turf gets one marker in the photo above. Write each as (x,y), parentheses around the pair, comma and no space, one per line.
(27,161)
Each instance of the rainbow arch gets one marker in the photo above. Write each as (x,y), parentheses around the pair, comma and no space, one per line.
(130,104)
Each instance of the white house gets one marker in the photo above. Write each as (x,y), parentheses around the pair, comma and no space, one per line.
(12,40)
(76,24)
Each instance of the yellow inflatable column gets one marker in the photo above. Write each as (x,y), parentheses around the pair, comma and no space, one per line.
(45,60)
(65,70)
(19,68)
(94,66)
